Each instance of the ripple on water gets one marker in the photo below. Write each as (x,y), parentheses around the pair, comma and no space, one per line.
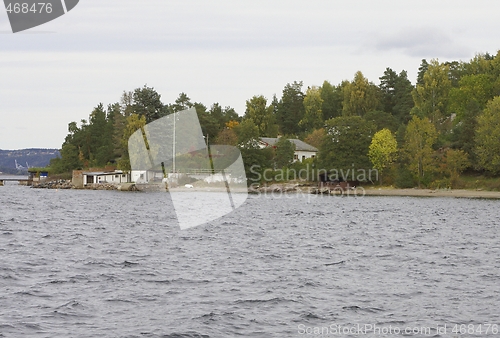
(82,270)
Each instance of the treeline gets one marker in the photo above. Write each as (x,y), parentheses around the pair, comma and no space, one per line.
(422,134)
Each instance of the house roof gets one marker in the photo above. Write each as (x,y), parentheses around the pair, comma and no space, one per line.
(103,173)
(299,145)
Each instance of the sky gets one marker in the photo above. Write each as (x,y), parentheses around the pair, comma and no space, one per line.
(218,51)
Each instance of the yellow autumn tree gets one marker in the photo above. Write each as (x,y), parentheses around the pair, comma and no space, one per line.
(383,150)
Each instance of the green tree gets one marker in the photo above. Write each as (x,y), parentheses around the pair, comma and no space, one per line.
(127,103)
(382,120)
(100,137)
(134,123)
(396,94)
(403,99)
(383,150)
(471,90)
(147,102)
(313,116)
(262,115)
(424,65)
(248,134)
(182,102)
(223,115)
(360,96)
(284,153)
(420,136)
(431,96)
(488,137)
(332,100)
(387,86)
(291,109)
(346,144)
(456,161)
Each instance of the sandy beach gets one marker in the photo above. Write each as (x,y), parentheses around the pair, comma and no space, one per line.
(457,193)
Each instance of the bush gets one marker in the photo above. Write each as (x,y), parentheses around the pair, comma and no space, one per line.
(404,179)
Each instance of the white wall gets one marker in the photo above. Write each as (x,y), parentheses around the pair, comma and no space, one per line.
(300,153)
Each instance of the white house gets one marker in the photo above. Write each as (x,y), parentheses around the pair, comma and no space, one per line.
(302,150)
(112,177)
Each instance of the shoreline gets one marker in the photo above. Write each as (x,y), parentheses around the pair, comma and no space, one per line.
(455,193)
(290,188)
(379,191)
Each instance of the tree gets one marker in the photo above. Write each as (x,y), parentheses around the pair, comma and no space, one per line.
(463,136)
(346,144)
(383,149)
(420,136)
(134,123)
(182,102)
(472,89)
(387,85)
(147,102)
(424,65)
(228,137)
(223,115)
(313,116)
(291,109)
(456,161)
(488,137)
(431,96)
(332,100)
(316,138)
(396,92)
(360,96)
(403,100)
(284,153)
(100,137)
(248,134)
(127,103)
(262,115)
(382,120)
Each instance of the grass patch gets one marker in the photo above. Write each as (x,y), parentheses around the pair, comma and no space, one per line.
(475,182)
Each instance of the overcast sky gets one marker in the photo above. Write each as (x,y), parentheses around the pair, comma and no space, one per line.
(218,51)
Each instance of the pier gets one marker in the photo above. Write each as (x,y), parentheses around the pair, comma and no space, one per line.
(23,180)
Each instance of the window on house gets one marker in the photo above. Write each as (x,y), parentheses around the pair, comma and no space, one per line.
(303,157)
(295,157)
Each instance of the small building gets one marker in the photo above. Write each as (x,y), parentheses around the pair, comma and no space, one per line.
(113,177)
(83,178)
(302,150)
(37,175)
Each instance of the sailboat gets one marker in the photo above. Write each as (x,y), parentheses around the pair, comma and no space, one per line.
(204,182)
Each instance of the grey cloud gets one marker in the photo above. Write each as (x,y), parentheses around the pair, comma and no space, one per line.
(423,42)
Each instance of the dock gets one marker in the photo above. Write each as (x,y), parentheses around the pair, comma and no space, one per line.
(21,180)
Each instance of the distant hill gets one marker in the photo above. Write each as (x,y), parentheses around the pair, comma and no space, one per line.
(25,157)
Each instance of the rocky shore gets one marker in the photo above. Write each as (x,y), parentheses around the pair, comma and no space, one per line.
(57,184)
(67,184)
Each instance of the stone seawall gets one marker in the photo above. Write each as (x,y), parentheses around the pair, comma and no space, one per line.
(67,184)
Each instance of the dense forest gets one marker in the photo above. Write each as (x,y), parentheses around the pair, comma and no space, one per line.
(425,134)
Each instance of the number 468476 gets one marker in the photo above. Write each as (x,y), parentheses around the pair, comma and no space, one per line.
(40,7)
(475,329)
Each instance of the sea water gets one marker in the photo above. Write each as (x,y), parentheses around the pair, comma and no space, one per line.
(83,263)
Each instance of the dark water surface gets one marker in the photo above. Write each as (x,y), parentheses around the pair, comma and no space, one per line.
(114,264)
